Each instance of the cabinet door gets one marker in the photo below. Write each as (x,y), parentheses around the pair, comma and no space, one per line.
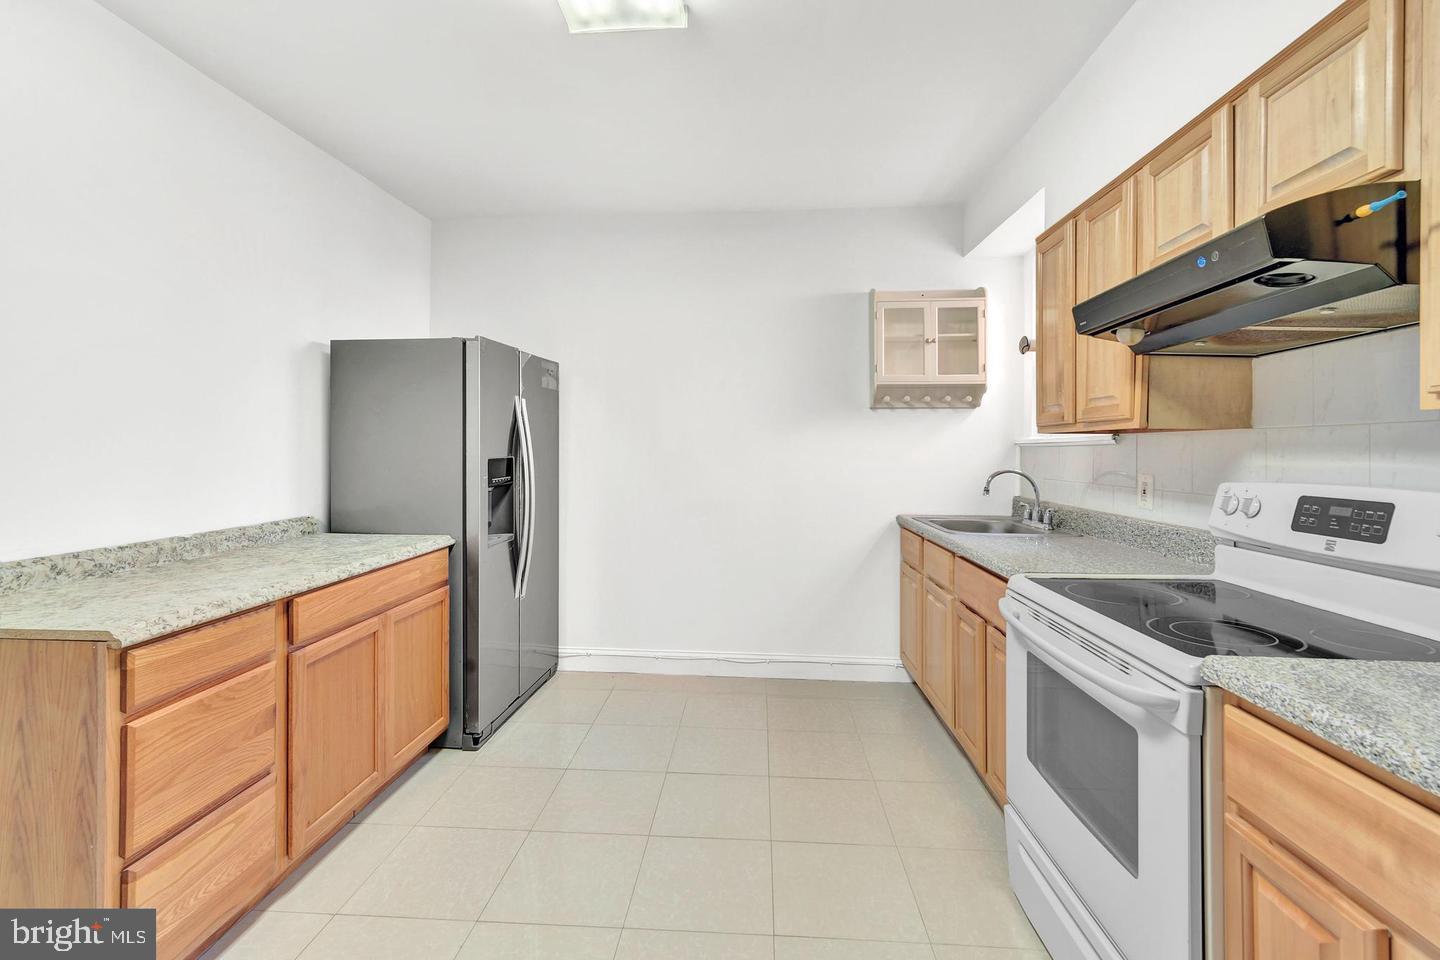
(1183,197)
(1277,908)
(958,339)
(970,684)
(900,341)
(335,749)
(910,600)
(1107,373)
(1430,222)
(1328,115)
(937,652)
(415,687)
(995,713)
(1055,327)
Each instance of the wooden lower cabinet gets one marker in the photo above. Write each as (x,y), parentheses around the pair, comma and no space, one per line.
(208,873)
(910,600)
(970,708)
(937,652)
(1322,860)
(1279,909)
(954,648)
(335,750)
(191,773)
(414,677)
(995,712)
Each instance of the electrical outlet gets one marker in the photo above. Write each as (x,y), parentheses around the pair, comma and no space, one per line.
(1145,491)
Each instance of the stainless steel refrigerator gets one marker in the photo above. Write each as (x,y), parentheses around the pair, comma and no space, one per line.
(461,436)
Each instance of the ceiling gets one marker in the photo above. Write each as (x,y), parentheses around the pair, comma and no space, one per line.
(482,107)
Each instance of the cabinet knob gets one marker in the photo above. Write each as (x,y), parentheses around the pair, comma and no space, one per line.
(1026,346)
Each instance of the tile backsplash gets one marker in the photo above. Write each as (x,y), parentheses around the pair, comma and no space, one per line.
(1346,412)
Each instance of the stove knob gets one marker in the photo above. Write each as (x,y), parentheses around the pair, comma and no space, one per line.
(1229,504)
(1250,506)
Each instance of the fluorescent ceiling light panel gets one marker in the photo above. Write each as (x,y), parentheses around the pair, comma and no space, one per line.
(602,16)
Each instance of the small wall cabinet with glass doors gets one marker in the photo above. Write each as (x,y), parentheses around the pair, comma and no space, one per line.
(927,348)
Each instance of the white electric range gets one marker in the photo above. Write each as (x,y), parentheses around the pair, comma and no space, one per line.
(1106,713)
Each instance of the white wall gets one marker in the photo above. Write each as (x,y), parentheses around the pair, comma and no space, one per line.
(725,485)
(1344,412)
(1165,62)
(172,265)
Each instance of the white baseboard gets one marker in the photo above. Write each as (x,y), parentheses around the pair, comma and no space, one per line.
(712,663)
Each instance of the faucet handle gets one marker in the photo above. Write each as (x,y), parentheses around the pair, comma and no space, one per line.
(1029,513)
(1048,517)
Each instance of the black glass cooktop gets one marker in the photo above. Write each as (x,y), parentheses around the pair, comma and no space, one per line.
(1206,618)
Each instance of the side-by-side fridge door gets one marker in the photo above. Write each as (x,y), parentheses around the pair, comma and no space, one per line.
(494,520)
(540,576)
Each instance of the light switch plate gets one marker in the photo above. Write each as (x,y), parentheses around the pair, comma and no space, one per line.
(1145,491)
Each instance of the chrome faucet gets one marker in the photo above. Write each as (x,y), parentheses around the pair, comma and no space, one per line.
(1039,516)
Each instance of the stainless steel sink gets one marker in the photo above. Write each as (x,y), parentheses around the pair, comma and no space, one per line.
(986,526)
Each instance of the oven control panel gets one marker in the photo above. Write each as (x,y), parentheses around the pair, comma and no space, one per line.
(1344,526)
(1365,520)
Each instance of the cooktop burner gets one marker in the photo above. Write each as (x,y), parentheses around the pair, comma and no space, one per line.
(1206,618)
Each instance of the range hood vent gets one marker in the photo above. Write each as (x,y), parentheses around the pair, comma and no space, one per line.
(1339,265)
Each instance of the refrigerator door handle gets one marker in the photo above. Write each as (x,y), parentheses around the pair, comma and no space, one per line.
(528,445)
(522,502)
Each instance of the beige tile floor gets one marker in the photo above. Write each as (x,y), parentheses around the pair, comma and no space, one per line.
(640,817)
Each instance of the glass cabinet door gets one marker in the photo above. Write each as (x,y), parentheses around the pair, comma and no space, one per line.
(957,334)
(902,338)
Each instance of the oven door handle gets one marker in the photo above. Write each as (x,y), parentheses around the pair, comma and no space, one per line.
(1163,704)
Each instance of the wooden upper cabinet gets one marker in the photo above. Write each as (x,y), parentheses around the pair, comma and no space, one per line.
(1184,195)
(937,652)
(1430,217)
(970,692)
(1329,114)
(910,594)
(1109,384)
(1055,327)
(1277,908)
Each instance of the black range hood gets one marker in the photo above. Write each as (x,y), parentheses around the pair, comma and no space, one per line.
(1305,273)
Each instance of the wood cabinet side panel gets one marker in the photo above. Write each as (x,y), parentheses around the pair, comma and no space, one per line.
(53,774)
(910,610)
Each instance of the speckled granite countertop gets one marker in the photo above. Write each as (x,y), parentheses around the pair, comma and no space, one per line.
(127,603)
(1385,712)
(1057,553)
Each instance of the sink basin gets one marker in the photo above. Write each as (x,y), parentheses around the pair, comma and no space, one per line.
(987,526)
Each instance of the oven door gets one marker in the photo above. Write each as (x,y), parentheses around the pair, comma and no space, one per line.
(1103,762)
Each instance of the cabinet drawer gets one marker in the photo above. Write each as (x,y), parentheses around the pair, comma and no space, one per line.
(940,565)
(184,758)
(980,590)
(330,609)
(204,877)
(157,671)
(1357,830)
(910,548)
